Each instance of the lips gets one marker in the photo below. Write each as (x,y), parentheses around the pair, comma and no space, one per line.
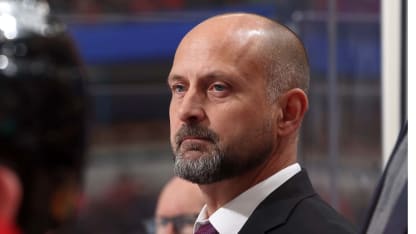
(194,138)
(194,135)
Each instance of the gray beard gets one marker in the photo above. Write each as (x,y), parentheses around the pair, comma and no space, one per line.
(215,163)
(204,170)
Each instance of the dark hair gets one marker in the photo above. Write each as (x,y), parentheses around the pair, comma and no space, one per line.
(42,109)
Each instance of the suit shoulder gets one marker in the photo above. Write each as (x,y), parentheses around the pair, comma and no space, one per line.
(313,215)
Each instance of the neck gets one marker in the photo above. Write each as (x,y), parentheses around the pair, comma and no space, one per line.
(218,194)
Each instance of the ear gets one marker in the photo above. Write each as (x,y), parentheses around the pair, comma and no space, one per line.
(293,106)
(10,194)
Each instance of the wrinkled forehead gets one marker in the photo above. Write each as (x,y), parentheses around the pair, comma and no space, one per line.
(220,41)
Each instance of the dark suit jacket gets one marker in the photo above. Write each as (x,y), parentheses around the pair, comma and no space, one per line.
(388,210)
(295,208)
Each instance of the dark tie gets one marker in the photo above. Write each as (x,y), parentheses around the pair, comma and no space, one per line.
(206,229)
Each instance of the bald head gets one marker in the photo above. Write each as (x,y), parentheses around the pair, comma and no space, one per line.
(256,44)
(179,203)
(179,197)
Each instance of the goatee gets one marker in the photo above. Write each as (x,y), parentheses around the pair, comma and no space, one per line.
(206,168)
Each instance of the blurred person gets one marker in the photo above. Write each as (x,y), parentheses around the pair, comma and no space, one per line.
(42,120)
(122,208)
(178,206)
(388,211)
(239,87)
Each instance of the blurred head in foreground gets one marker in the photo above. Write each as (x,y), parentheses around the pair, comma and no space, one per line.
(178,206)
(42,119)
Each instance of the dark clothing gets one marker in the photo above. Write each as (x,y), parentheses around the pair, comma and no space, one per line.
(388,210)
(296,208)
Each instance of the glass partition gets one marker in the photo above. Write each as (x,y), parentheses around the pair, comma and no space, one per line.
(129,46)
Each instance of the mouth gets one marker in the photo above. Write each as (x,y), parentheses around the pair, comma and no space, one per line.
(192,147)
(194,139)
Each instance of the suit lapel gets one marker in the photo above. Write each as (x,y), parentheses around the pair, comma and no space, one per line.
(276,208)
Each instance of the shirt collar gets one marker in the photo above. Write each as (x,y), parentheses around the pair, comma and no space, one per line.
(232,216)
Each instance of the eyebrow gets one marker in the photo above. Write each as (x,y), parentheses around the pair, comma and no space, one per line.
(174,78)
(210,74)
(217,74)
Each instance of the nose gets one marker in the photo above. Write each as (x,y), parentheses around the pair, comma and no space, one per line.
(191,109)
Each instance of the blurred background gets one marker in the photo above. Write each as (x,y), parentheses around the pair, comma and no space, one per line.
(128,46)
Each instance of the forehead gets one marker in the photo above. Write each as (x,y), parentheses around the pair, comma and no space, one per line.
(216,50)
(180,198)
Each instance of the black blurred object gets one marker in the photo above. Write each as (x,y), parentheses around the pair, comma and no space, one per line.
(388,211)
(42,111)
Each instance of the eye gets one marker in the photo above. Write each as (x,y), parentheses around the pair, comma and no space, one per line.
(178,88)
(219,89)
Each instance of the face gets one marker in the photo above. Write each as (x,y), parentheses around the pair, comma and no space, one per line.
(221,120)
(178,207)
(179,224)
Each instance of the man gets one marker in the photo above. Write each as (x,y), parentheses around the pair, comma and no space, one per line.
(239,84)
(178,206)
(42,120)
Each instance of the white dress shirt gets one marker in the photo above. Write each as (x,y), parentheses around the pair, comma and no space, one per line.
(231,217)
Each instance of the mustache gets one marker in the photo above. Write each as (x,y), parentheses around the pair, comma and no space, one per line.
(195,131)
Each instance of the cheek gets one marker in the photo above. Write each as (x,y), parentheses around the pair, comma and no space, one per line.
(173,120)
(231,123)
(171,111)
(241,125)
(173,131)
